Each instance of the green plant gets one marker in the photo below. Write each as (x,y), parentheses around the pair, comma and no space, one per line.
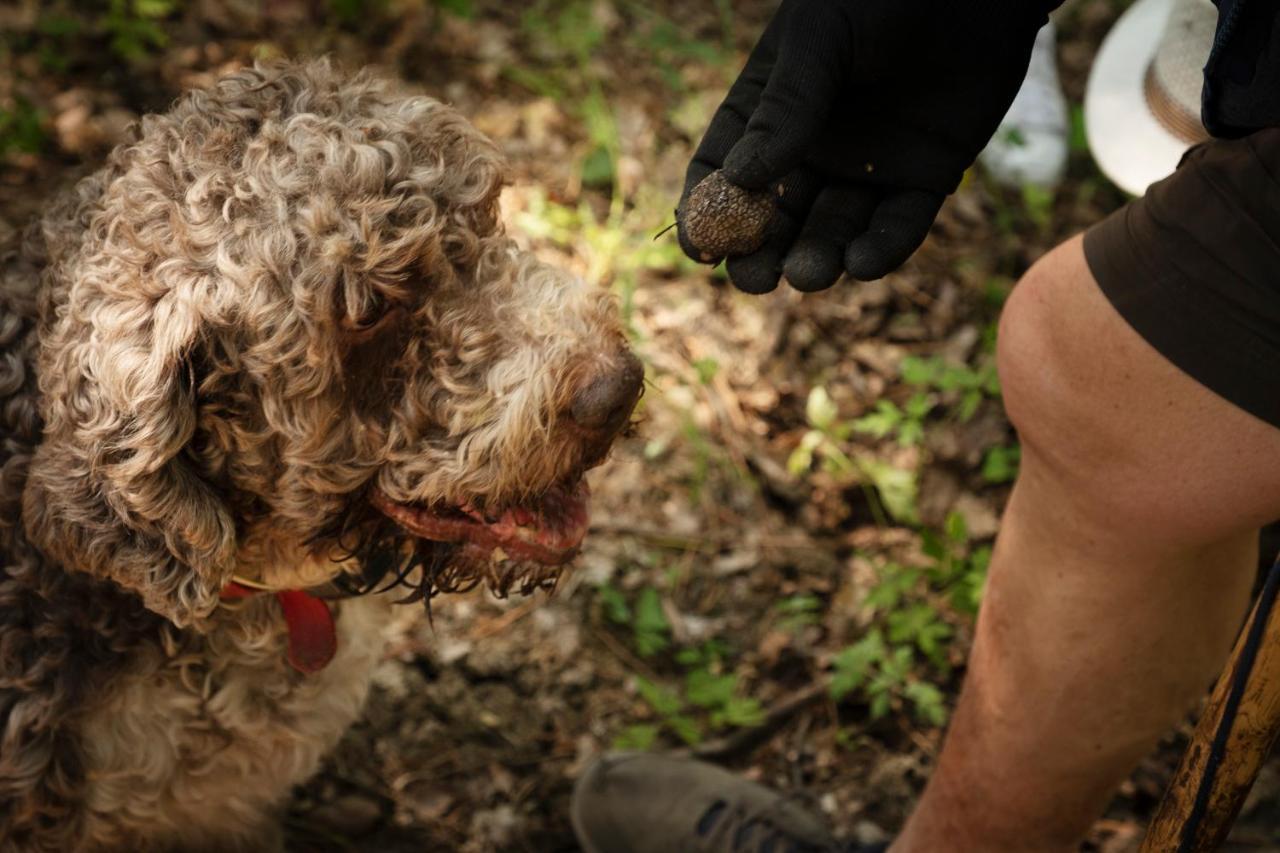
(882,672)
(710,697)
(889,486)
(907,423)
(458,8)
(668,46)
(959,568)
(651,632)
(53,31)
(637,737)
(670,709)
(133,26)
(1000,463)
(20,128)
(971,385)
(1078,139)
(909,618)
(898,661)
(1038,203)
(706,368)
(709,687)
(798,611)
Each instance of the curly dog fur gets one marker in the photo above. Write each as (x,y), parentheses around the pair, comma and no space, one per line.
(284,293)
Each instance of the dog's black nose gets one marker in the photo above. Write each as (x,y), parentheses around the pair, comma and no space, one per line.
(604,402)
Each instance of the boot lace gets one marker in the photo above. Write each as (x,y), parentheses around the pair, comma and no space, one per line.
(725,828)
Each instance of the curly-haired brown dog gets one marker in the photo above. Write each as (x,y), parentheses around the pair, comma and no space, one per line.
(280,336)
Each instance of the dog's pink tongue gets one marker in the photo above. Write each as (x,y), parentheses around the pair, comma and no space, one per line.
(550,532)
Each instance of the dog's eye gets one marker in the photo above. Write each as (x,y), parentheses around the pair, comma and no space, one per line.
(373,312)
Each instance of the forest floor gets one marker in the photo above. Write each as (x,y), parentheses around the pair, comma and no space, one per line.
(785,557)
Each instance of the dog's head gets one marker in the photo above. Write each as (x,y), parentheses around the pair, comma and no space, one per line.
(284,326)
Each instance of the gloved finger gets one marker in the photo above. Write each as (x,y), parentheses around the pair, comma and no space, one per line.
(731,117)
(810,71)
(759,271)
(840,213)
(897,228)
(728,124)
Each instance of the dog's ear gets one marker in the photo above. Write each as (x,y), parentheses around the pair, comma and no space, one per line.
(112,489)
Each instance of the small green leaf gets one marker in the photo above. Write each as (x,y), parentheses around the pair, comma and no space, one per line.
(895,582)
(820,409)
(686,728)
(920,371)
(880,423)
(969,405)
(153,8)
(638,738)
(853,664)
(911,434)
(896,486)
(1079,139)
(927,701)
(895,667)
(689,657)
(908,624)
(615,605)
(1000,464)
(804,603)
(801,459)
(458,8)
(742,711)
(919,406)
(707,369)
(798,611)
(663,701)
(597,167)
(710,691)
(652,630)
(933,545)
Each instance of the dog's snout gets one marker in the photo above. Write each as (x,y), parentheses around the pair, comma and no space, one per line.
(605,400)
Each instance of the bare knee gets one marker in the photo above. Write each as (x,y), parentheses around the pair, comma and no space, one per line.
(1051,394)
(1131,441)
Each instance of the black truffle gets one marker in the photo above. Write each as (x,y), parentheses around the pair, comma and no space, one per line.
(720,219)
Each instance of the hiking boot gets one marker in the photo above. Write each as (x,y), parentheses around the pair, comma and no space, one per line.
(640,803)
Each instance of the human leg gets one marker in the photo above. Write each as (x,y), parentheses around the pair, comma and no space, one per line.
(1119,578)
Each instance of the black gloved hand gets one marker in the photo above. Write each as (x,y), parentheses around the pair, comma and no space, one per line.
(863,115)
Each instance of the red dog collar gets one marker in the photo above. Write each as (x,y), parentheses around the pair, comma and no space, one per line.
(313,641)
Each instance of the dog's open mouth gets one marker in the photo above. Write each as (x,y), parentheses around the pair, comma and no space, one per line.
(549,530)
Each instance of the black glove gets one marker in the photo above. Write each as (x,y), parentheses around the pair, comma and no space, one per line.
(863,116)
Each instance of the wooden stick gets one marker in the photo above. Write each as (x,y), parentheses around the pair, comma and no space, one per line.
(1234,736)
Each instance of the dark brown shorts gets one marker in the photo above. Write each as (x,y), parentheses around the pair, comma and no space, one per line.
(1194,267)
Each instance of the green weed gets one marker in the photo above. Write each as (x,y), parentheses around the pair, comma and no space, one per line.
(882,673)
(906,423)
(710,695)
(897,662)
(798,611)
(134,26)
(971,385)
(959,569)
(1000,463)
(888,486)
(20,128)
